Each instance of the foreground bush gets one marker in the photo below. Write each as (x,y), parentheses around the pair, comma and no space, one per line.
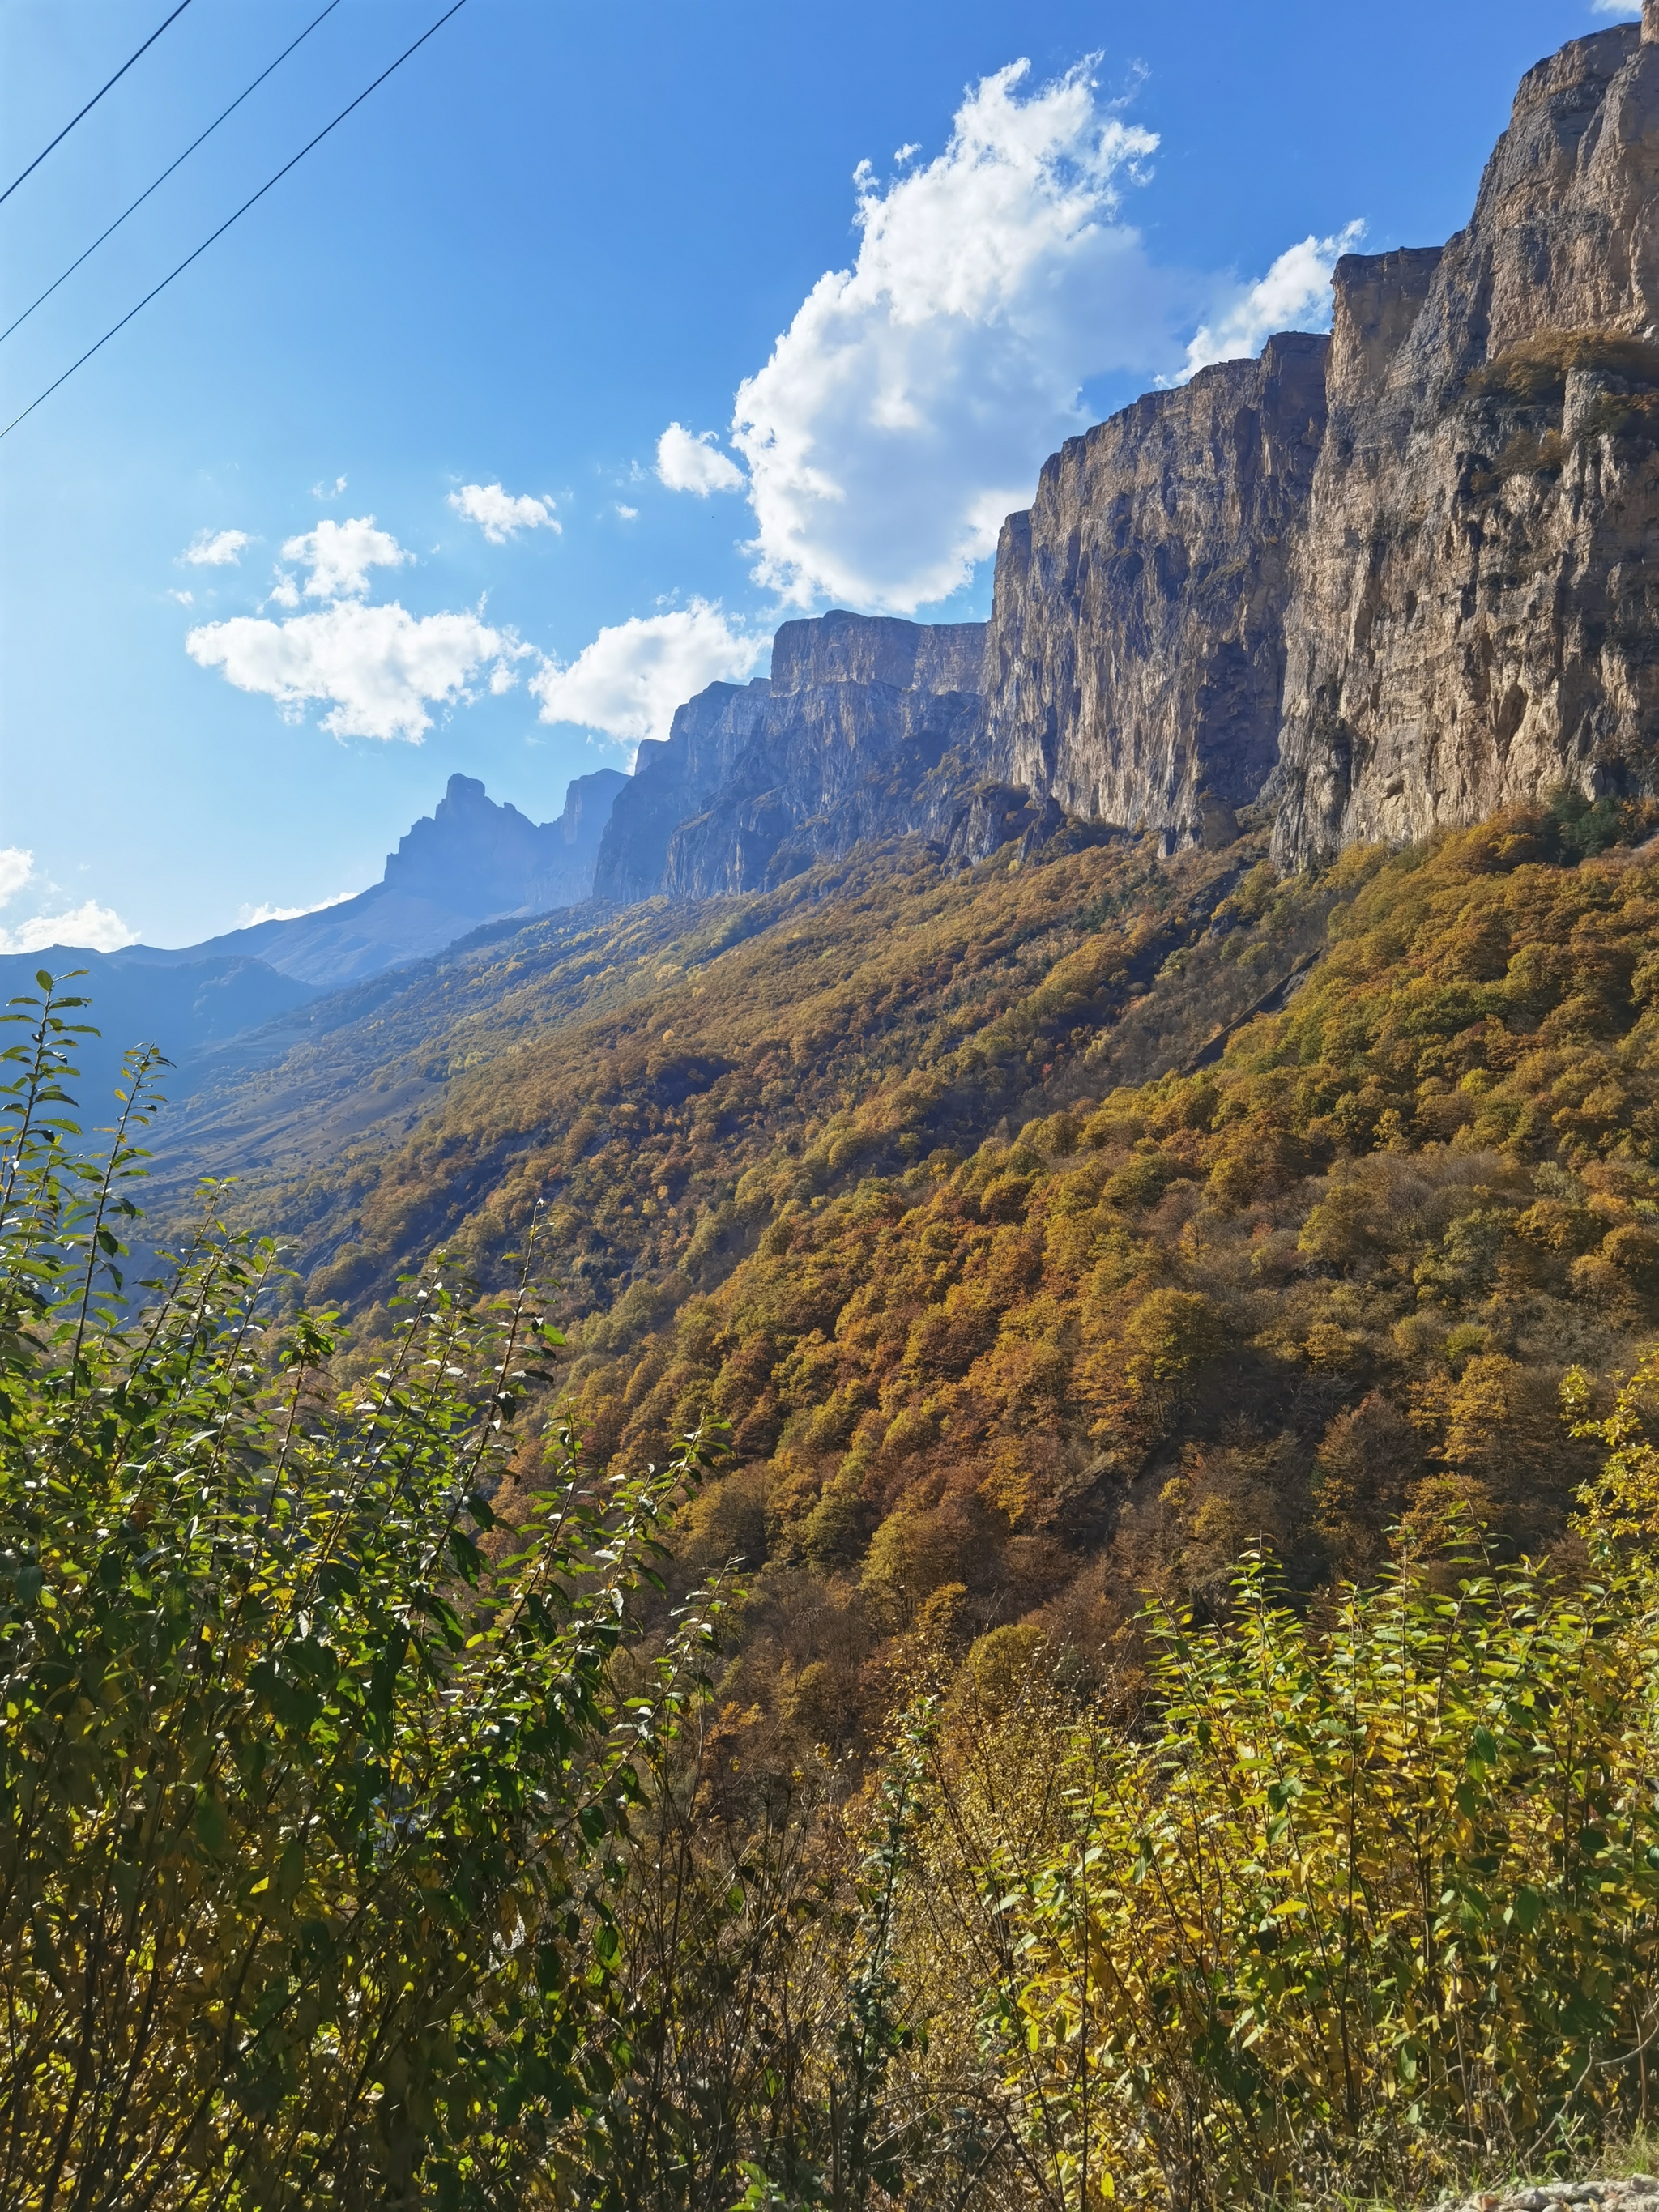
(1363,1905)
(311,1783)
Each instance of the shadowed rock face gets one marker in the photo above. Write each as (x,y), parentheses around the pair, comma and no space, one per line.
(674,777)
(1475,614)
(862,732)
(1135,655)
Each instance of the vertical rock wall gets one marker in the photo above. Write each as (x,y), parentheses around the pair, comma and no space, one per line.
(1389,581)
(1135,654)
(1476,612)
(847,740)
(674,777)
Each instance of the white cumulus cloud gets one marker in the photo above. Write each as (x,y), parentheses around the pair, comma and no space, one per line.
(912,400)
(16,871)
(1616,7)
(89,928)
(339,556)
(216,548)
(378,668)
(499,515)
(1295,294)
(630,679)
(685,463)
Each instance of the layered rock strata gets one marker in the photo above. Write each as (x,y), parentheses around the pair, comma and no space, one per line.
(868,727)
(1474,615)
(1135,655)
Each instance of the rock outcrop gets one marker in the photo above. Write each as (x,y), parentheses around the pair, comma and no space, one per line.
(868,727)
(1388,582)
(1135,656)
(1475,614)
(467,862)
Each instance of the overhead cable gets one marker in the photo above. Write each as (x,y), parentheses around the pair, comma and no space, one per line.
(229,220)
(166,173)
(94,102)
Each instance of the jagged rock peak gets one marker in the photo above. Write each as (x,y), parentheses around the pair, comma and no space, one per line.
(473,854)
(466,849)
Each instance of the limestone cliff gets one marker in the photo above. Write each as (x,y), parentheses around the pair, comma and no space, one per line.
(674,778)
(861,732)
(1473,615)
(1135,655)
(1387,582)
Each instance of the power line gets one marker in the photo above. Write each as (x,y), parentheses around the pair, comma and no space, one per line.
(241,212)
(166,173)
(94,102)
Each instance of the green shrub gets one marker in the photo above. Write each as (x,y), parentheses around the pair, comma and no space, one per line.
(312,1776)
(1366,1904)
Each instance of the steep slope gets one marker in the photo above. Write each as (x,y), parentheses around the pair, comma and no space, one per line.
(1336,1278)
(1476,614)
(866,729)
(631,1068)
(1047,1230)
(1135,654)
(468,860)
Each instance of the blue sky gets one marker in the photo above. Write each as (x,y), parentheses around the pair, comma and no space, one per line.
(413,405)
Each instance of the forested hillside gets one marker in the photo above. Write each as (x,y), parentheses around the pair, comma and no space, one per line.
(1056,1238)
(631,1068)
(1037,1261)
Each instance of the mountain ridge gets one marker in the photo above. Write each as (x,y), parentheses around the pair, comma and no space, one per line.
(470,861)
(1377,584)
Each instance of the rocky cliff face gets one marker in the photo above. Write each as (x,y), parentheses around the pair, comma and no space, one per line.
(1135,657)
(674,778)
(1388,582)
(862,731)
(1473,613)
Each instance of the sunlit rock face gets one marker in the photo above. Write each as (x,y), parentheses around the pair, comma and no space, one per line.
(1382,582)
(1135,659)
(1475,610)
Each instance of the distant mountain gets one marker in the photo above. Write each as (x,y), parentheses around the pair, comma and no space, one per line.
(469,861)
(187,1007)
